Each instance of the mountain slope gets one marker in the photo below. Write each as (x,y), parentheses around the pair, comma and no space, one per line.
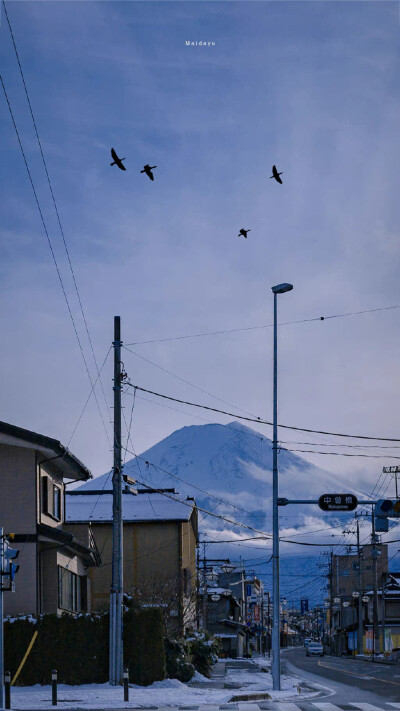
(232,463)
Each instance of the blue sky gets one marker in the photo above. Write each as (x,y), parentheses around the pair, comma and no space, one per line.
(310,86)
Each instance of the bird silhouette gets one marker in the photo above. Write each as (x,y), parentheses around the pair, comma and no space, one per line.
(147,169)
(117,161)
(243,232)
(275,174)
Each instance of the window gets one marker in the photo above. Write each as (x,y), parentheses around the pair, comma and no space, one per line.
(44,482)
(70,588)
(57,502)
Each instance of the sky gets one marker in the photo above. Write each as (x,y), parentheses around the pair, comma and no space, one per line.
(312,87)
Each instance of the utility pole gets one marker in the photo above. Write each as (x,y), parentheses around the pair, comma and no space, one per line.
(204,625)
(1,621)
(330,601)
(375,587)
(360,590)
(198,588)
(262,650)
(392,470)
(116,594)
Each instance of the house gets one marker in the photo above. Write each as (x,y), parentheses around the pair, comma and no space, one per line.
(345,619)
(159,549)
(53,565)
(222,618)
(388,604)
(233,610)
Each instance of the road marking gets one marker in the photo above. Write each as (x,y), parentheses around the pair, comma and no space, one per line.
(286,706)
(326,706)
(366,707)
(393,703)
(340,669)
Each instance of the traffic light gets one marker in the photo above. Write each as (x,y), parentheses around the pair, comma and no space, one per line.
(9,568)
(385,509)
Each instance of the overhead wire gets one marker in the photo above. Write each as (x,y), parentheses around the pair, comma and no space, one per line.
(261,421)
(339,454)
(187,382)
(54,200)
(52,252)
(256,328)
(89,396)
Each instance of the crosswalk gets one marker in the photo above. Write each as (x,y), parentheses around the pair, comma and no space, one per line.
(304,705)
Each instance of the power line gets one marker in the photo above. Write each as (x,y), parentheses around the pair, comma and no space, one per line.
(183,380)
(350,446)
(198,417)
(89,396)
(269,325)
(259,420)
(54,200)
(339,454)
(52,251)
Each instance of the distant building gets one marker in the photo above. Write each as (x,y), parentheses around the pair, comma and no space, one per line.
(53,565)
(160,537)
(223,619)
(346,574)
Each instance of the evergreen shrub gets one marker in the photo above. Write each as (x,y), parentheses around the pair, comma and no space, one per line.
(204,650)
(177,660)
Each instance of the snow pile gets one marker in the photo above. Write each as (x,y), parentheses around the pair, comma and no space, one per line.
(169,692)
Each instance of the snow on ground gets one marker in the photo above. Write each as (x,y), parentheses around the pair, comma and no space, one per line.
(169,692)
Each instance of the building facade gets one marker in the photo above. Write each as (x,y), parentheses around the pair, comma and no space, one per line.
(159,550)
(53,565)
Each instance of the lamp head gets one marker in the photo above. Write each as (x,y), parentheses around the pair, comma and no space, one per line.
(281,288)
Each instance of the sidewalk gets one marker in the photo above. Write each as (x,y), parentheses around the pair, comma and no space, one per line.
(234,683)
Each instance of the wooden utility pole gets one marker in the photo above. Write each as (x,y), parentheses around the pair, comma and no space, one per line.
(116,662)
(376,645)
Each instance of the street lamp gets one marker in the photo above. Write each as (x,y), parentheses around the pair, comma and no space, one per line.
(276,641)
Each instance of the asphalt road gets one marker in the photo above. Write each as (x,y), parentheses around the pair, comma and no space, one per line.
(350,680)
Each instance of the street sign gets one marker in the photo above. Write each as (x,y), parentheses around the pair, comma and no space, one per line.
(338,502)
(256,613)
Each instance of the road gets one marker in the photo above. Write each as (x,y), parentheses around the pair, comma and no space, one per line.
(347,683)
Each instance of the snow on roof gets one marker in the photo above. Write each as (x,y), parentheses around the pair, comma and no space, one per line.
(146,507)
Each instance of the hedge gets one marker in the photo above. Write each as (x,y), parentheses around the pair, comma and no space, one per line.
(78,648)
(144,645)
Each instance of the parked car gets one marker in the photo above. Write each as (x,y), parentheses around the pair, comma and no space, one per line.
(307,641)
(315,648)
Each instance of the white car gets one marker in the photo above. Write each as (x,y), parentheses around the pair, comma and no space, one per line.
(315,648)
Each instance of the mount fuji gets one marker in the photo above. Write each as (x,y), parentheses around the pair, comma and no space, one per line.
(228,470)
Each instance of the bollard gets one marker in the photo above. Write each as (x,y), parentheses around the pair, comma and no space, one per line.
(126,684)
(7,686)
(54,687)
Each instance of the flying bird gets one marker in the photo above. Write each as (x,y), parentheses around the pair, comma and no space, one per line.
(147,169)
(275,174)
(243,233)
(117,161)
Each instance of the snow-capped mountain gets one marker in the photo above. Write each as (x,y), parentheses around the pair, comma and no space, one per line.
(224,460)
(228,469)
